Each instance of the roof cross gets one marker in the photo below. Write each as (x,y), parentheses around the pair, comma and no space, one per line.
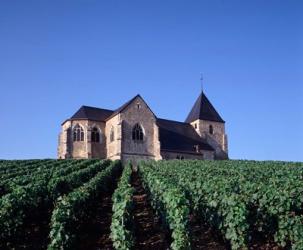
(201,80)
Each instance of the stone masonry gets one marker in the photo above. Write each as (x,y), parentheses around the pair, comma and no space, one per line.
(133,132)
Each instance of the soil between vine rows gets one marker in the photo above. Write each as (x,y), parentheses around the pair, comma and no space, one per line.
(95,234)
(148,231)
(261,242)
(150,235)
(203,237)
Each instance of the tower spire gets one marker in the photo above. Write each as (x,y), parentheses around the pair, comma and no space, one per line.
(203,110)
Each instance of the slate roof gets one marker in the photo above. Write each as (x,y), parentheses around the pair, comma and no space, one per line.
(173,135)
(125,105)
(179,136)
(203,110)
(92,113)
(98,114)
(121,108)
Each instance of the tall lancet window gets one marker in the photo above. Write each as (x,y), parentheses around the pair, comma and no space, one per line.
(78,133)
(137,133)
(95,135)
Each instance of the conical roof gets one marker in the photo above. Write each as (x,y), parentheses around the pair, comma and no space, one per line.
(203,110)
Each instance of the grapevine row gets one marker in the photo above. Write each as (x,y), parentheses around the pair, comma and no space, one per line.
(121,226)
(74,208)
(15,206)
(170,202)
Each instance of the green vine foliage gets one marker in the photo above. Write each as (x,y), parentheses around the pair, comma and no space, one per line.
(65,184)
(73,209)
(170,202)
(121,226)
(28,168)
(46,169)
(46,187)
(240,197)
(290,228)
(14,207)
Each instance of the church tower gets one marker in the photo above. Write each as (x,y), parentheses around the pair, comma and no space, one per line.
(209,125)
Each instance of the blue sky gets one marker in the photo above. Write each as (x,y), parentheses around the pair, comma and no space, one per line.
(59,55)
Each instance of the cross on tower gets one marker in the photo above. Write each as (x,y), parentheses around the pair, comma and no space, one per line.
(201,80)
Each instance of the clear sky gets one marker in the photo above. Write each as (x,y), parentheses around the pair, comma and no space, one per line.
(57,55)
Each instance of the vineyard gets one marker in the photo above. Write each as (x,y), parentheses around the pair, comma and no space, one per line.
(99,204)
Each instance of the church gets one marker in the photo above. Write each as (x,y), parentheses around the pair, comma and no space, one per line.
(133,132)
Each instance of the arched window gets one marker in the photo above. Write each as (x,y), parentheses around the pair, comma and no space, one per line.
(95,135)
(78,133)
(211,129)
(112,134)
(137,133)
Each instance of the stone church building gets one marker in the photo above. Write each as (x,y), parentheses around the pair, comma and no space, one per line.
(134,132)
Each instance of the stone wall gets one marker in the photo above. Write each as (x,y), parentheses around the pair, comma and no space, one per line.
(96,149)
(113,148)
(64,141)
(149,148)
(124,147)
(205,155)
(156,143)
(79,149)
(134,159)
(218,140)
(67,148)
